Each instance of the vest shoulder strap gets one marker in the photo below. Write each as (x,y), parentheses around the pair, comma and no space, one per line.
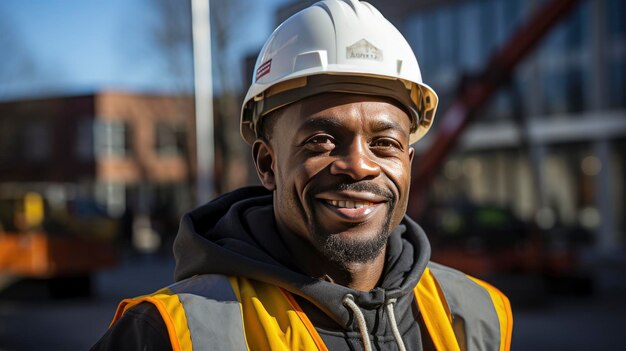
(200,313)
(478,314)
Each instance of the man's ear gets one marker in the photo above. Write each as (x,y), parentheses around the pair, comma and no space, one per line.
(263,155)
(411,154)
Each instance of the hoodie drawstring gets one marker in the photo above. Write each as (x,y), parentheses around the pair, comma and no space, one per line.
(348,301)
(394,325)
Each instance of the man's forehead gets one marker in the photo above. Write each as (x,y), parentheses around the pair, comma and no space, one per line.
(327,110)
(377,122)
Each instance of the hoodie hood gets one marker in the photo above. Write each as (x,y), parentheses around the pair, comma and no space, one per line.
(236,234)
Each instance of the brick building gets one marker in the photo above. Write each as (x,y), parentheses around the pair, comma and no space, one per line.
(126,151)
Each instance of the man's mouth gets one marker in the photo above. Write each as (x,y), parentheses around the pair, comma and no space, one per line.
(354,209)
(349,203)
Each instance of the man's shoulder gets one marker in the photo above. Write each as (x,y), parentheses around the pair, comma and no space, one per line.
(141,320)
(453,281)
(448,273)
(463,288)
(141,327)
(212,286)
(482,309)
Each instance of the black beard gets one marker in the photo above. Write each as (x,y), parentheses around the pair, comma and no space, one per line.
(346,252)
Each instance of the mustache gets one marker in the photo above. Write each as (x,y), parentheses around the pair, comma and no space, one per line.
(361,186)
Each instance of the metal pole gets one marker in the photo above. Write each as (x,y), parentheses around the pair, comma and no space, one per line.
(203,81)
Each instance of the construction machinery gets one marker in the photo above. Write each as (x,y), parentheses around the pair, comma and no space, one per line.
(61,242)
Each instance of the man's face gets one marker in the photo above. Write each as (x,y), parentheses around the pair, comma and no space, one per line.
(341,172)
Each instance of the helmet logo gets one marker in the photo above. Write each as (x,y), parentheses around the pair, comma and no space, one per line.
(264,69)
(363,49)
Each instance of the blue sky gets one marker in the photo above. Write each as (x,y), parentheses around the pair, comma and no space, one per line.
(84,45)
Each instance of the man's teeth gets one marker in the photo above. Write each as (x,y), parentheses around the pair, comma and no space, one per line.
(350,204)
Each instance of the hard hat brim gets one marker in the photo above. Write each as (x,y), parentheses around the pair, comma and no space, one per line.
(419,99)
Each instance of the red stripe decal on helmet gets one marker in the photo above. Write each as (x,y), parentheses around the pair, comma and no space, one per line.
(264,69)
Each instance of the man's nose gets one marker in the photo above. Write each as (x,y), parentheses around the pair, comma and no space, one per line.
(356,162)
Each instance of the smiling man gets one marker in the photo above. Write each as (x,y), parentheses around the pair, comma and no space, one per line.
(322,256)
(339,165)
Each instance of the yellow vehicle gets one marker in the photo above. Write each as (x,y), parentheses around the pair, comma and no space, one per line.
(37,241)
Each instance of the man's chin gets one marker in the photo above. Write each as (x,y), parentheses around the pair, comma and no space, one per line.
(343,241)
(347,248)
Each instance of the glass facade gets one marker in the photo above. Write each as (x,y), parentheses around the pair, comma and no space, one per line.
(456,40)
(576,74)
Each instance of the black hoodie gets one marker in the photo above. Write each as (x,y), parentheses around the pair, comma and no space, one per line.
(236,235)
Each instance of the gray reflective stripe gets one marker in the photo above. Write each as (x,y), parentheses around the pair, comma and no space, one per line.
(213,313)
(472,304)
(214,325)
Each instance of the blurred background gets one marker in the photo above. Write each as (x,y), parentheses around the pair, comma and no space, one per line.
(522,181)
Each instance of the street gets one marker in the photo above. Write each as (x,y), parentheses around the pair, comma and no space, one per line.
(76,324)
(561,323)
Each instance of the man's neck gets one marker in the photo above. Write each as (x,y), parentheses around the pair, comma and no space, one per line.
(356,275)
(363,276)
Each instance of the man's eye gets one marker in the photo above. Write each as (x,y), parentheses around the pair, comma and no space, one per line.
(386,143)
(320,143)
(320,139)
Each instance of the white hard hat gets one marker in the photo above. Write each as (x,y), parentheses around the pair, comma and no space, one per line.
(337,46)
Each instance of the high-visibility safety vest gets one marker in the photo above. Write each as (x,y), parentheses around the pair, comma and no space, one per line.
(215,312)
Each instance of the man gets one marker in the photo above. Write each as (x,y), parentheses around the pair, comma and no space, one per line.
(322,257)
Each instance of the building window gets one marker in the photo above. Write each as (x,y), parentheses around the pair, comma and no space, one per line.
(85,140)
(564,67)
(112,138)
(617,84)
(170,139)
(36,141)
(510,15)
(563,91)
(616,21)
(471,43)
(112,196)
(9,144)
(616,52)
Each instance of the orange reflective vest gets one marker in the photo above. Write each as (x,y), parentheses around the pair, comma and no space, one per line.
(215,312)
